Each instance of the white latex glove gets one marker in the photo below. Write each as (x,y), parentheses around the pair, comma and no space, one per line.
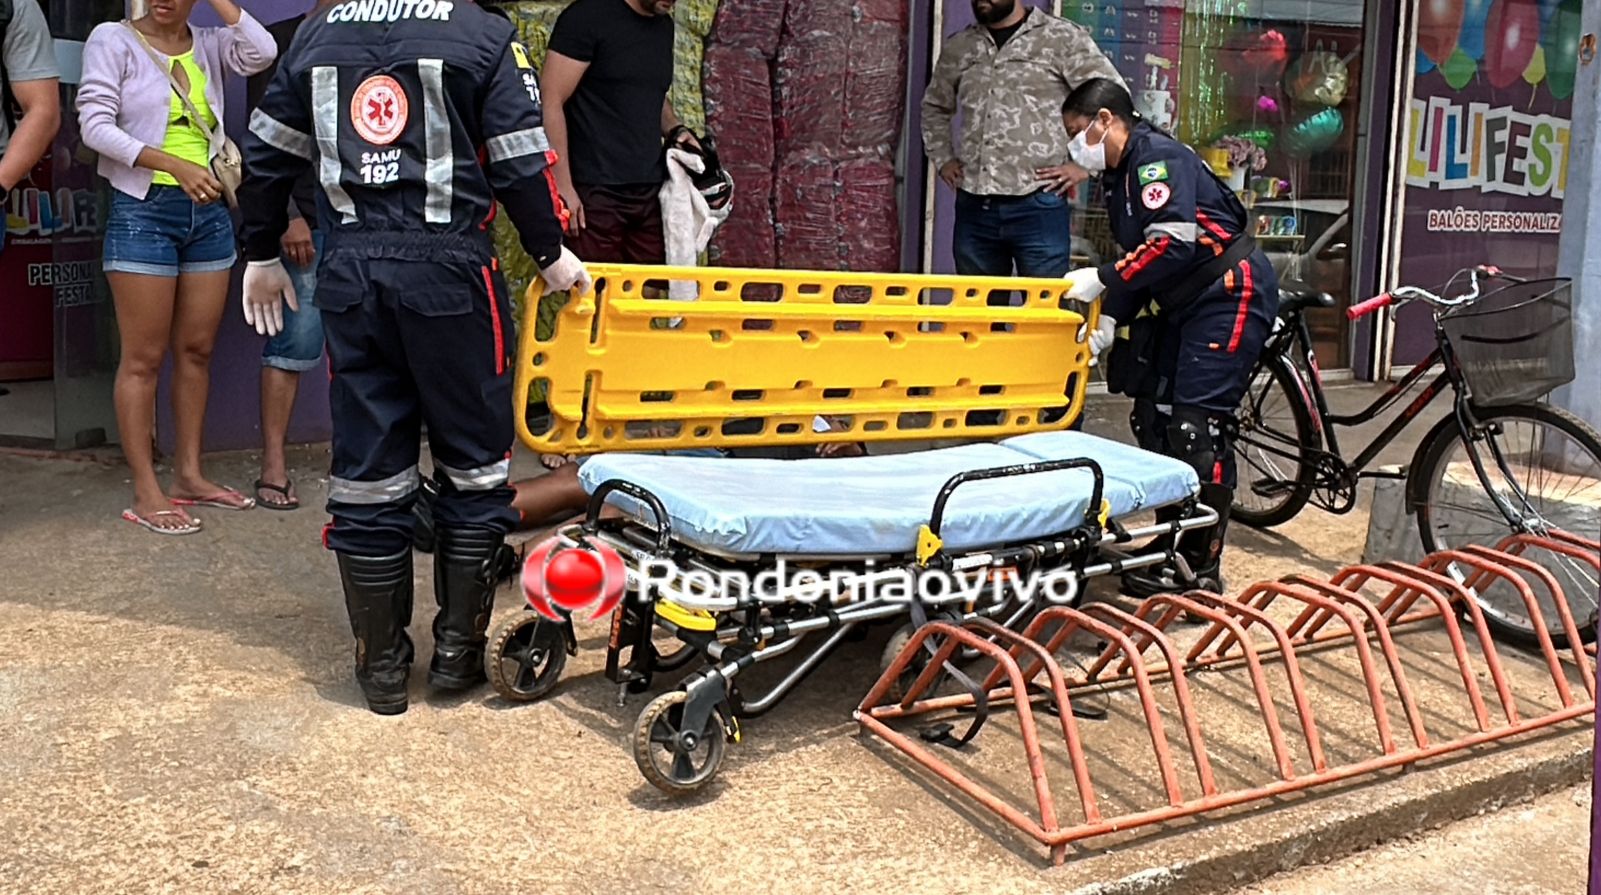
(1104,335)
(267,286)
(1084,284)
(566,272)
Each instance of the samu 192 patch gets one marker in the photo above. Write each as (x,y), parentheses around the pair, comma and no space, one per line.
(1153,172)
(1155,195)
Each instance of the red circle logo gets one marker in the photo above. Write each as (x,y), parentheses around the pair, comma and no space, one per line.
(379,110)
(560,580)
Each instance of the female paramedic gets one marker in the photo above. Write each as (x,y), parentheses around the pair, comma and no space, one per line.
(1184,313)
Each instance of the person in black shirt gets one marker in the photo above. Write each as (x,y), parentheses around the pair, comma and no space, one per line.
(298,347)
(604,85)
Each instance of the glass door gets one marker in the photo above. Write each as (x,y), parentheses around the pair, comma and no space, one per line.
(85,325)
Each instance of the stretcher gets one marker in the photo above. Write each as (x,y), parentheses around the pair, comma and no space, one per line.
(731,562)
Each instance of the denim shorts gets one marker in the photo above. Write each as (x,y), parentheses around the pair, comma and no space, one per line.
(298,347)
(166,233)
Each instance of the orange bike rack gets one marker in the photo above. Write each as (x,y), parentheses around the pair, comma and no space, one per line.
(1418,594)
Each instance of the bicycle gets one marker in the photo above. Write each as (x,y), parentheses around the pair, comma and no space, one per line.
(1500,353)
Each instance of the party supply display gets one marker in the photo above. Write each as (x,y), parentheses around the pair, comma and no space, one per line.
(1319,77)
(1208,86)
(1315,134)
(1266,55)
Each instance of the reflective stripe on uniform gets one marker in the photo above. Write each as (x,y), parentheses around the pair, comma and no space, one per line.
(483,478)
(280,136)
(1179,231)
(387,490)
(325,118)
(517,144)
(440,168)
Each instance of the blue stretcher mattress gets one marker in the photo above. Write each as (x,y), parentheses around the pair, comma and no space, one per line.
(874,505)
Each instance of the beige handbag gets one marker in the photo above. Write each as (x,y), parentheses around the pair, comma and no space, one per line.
(227,165)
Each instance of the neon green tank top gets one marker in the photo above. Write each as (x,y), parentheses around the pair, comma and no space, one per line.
(185,139)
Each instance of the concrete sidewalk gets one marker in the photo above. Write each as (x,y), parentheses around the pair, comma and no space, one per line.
(180,717)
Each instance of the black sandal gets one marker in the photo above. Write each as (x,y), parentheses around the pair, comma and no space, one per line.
(292,504)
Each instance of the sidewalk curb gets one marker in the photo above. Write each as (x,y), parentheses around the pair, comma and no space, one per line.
(1316,830)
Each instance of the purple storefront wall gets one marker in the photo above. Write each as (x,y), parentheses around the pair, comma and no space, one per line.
(233,413)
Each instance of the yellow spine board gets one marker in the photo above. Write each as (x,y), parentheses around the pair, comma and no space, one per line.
(882,357)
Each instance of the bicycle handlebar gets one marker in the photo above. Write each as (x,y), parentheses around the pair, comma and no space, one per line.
(1362,309)
(1414,293)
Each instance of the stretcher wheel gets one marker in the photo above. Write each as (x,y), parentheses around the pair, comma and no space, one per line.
(906,678)
(526,657)
(676,761)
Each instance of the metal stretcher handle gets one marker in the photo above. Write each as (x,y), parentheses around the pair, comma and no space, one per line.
(597,501)
(1092,514)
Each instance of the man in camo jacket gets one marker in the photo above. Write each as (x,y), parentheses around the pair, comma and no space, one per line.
(1009,74)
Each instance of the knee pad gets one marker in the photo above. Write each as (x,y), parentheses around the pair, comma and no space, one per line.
(1149,425)
(1202,438)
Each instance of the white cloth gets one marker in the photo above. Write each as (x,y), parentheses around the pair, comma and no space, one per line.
(688,222)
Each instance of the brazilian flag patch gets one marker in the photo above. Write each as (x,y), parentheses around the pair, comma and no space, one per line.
(1153,172)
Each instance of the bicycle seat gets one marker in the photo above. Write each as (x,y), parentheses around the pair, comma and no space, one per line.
(1297,298)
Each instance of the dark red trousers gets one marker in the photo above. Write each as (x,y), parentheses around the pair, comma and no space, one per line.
(622,225)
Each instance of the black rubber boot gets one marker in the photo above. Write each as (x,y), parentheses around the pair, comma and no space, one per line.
(467,562)
(1202,551)
(378,597)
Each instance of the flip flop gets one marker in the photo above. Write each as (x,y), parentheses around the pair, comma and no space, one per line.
(220,500)
(290,503)
(191,526)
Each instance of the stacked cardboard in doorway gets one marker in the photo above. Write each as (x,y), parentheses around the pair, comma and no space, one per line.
(806,98)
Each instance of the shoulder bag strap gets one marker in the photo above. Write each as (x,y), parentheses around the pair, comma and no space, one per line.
(183,96)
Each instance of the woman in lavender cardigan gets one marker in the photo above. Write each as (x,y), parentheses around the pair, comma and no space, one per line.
(169,242)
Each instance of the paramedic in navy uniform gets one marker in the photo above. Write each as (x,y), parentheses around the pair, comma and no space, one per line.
(416,116)
(1198,297)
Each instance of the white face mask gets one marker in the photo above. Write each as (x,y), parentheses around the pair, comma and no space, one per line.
(1090,158)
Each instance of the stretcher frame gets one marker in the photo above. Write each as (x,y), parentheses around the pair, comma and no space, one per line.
(760,354)
(731,633)
(754,360)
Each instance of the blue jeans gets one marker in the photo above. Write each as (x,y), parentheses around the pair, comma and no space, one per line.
(994,233)
(298,346)
(166,233)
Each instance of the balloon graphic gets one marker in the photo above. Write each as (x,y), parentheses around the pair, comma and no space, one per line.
(1439,23)
(1511,35)
(1548,8)
(1474,14)
(1561,43)
(1535,73)
(1315,134)
(1425,64)
(1458,70)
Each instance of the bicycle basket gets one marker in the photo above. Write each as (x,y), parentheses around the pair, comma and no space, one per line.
(1515,344)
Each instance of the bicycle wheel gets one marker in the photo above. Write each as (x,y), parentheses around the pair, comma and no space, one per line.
(1277,435)
(1555,463)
